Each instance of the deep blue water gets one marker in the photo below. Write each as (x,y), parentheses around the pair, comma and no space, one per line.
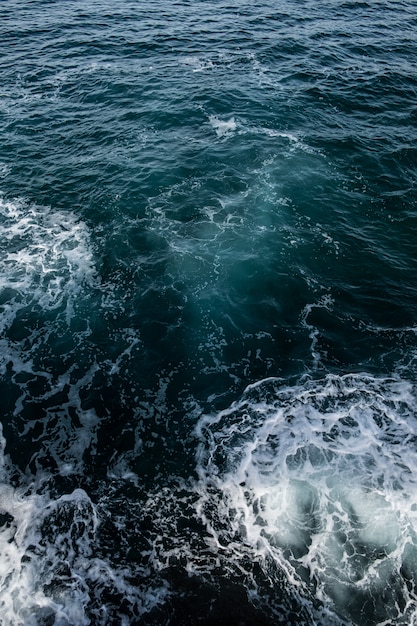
(208,305)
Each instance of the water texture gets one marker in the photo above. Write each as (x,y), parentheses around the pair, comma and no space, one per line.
(208,312)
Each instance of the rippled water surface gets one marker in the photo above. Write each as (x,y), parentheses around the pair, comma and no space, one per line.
(208,313)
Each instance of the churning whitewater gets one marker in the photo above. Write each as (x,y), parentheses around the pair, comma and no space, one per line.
(208,402)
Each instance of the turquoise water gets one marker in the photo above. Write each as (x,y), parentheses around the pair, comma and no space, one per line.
(208,313)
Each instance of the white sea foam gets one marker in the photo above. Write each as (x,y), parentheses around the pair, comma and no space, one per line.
(46,272)
(4,170)
(320,479)
(326,302)
(223,128)
(46,259)
(50,569)
(198,65)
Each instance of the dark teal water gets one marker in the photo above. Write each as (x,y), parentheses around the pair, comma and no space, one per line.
(208,307)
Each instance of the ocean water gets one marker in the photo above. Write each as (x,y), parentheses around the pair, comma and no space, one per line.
(208,312)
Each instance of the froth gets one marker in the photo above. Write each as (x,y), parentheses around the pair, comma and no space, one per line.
(51,570)
(46,259)
(222,127)
(46,273)
(24,597)
(320,479)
